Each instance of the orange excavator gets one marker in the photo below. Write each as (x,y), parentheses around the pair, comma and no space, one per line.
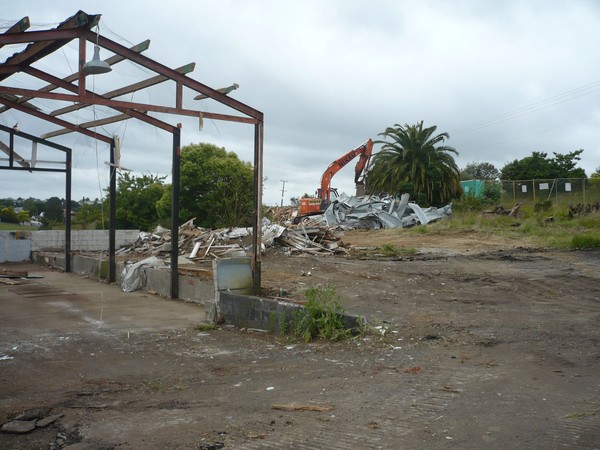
(317,205)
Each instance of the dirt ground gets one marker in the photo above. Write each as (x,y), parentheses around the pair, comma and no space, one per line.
(488,344)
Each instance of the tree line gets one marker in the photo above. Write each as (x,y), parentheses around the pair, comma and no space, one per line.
(216,187)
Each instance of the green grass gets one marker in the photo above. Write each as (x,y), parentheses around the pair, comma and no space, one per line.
(206,327)
(16,227)
(585,242)
(390,250)
(530,227)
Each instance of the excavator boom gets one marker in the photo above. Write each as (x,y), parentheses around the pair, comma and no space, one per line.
(364,151)
(310,206)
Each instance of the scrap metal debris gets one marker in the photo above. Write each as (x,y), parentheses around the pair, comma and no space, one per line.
(314,235)
(374,212)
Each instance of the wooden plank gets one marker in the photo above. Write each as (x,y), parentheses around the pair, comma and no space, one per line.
(18,27)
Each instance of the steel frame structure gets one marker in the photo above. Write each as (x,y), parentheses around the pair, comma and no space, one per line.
(79,27)
(30,166)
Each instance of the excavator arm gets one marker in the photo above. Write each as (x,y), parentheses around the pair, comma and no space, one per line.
(364,151)
(311,206)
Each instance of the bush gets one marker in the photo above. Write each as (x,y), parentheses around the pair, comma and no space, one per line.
(322,316)
(492,193)
(8,215)
(543,205)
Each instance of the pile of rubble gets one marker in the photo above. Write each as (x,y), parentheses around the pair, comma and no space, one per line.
(375,212)
(317,235)
(197,243)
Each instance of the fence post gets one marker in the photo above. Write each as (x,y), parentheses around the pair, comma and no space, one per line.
(583,190)
(533,187)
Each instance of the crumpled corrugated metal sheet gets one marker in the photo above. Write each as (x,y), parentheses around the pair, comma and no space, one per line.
(376,212)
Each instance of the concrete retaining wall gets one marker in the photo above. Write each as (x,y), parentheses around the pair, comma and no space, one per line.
(245,311)
(14,246)
(197,284)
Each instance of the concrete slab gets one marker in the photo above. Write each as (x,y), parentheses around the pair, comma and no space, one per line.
(76,304)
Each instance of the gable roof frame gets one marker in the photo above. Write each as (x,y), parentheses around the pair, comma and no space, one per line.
(43,43)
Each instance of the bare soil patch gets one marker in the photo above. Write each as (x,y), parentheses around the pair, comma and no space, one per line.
(486,344)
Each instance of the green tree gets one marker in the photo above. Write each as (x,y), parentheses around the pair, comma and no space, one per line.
(412,159)
(136,201)
(8,215)
(479,171)
(33,205)
(54,210)
(540,166)
(596,173)
(216,188)
(89,214)
(23,216)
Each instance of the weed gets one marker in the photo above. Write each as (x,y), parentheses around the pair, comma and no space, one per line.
(322,316)
(283,325)
(543,205)
(422,229)
(394,250)
(585,242)
(272,321)
(206,327)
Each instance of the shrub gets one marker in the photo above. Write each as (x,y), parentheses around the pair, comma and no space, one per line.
(322,316)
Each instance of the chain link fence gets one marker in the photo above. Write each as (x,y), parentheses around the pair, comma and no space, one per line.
(556,193)
(559,192)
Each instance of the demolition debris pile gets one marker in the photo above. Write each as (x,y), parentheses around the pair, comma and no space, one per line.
(373,212)
(317,235)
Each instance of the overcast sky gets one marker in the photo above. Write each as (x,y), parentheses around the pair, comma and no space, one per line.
(502,78)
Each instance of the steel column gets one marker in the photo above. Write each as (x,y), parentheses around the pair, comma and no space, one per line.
(112,215)
(68,213)
(257,225)
(175,212)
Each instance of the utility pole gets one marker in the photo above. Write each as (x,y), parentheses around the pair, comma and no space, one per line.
(282,190)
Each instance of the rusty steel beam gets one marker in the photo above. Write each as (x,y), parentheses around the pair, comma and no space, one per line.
(177,77)
(127,89)
(11,69)
(40,36)
(55,120)
(14,98)
(126,107)
(139,48)
(81,65)
(46,42)
(18,27)
(90,97)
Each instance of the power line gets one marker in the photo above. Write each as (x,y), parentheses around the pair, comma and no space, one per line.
(527,109)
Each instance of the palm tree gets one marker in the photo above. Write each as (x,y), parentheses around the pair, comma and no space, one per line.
(409,156)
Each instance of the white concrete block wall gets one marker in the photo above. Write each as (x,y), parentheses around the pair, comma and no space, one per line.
(82,240)
(13,249)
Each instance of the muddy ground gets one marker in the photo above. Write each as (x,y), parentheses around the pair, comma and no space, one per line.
(488,344)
